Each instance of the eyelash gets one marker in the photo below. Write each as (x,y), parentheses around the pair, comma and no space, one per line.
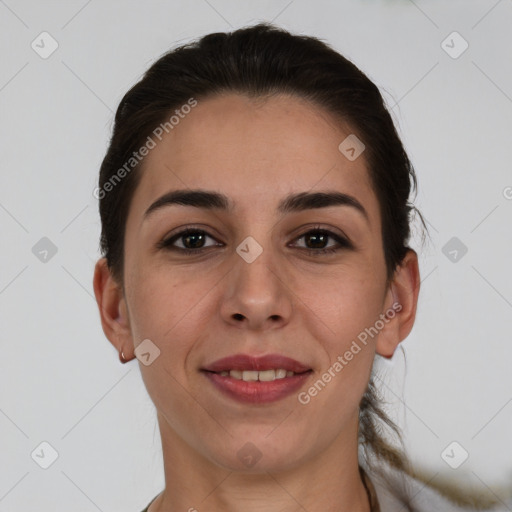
(343,242)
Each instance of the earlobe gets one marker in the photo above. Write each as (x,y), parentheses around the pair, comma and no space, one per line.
(400,305)
(112,309)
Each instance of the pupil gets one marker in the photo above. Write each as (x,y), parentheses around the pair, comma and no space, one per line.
(187,239)
(317,236)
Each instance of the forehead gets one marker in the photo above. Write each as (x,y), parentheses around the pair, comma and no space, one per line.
(255,152)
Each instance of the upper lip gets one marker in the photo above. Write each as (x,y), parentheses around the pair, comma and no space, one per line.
(243,362)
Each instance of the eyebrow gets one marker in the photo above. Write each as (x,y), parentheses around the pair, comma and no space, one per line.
(299,202)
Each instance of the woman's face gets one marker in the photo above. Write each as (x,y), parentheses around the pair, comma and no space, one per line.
(233,299)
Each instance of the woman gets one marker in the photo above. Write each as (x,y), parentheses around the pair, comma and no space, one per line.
(255,221)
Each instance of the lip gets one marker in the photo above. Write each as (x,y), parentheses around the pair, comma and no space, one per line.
(243,362)
(257,392)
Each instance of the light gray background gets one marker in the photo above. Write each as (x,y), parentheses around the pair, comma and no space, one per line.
(61,380)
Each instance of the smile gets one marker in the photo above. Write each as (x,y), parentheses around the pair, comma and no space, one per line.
(264,376)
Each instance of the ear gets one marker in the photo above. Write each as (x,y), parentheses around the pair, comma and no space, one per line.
(113,310)
(400,304)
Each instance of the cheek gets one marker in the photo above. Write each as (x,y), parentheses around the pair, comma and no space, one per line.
(344,315)
(340,304)
(167,311)
(169,308)
(341,322)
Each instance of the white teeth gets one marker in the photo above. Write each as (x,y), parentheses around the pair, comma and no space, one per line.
(249,376)
(236,374)
(267,375)
(263,376)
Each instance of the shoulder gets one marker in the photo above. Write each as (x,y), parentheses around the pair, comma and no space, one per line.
(398,488)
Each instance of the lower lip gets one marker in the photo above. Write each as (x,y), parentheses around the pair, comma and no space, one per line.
(257,392)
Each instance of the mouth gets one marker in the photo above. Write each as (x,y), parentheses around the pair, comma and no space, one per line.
(257,379)
(262,376)
(267,363)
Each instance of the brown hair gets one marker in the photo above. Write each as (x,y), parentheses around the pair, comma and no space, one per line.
(259,61)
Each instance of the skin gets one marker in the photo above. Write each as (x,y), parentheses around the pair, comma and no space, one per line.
(200,308)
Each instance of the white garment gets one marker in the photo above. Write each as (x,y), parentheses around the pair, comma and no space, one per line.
(423,497)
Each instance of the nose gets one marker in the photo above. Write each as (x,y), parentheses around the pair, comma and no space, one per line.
(257,295)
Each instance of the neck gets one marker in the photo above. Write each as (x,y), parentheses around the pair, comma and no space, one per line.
(328,482)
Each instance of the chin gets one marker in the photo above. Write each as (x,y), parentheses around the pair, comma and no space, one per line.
(254,455)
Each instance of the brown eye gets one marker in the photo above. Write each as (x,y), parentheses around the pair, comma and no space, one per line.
(319,238)
(192,240)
